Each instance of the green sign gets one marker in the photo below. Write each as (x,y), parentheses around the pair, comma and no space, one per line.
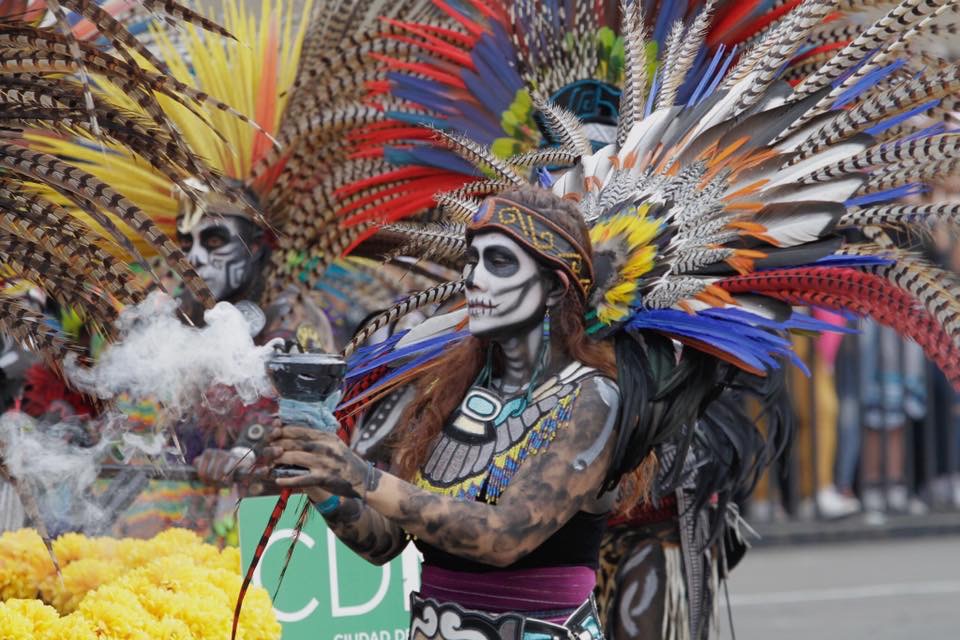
(328,592)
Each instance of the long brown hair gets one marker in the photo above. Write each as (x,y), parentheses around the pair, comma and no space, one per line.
(439,392)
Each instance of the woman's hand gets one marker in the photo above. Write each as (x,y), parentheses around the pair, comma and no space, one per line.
(219,467)
(331,465)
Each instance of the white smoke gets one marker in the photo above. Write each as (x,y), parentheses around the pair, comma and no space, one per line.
(159,356)
(57,472)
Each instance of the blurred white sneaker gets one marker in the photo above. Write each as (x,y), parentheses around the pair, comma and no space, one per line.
(833,504)
(898,498)
(873,500)
(873,518)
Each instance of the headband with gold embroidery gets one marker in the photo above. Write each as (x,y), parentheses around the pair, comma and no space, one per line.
(540,235)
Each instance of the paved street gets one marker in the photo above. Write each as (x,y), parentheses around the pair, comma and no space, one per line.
(906,589)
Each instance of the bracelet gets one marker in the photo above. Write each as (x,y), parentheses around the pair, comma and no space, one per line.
(328,506)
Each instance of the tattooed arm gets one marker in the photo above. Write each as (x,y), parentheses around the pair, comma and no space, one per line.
(367,532)
(547,491)
(360,527)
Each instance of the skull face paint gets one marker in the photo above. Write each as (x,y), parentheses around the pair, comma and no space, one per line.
(506,289)
(216,248)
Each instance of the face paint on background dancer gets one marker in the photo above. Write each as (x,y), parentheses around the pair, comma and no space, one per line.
(216,248)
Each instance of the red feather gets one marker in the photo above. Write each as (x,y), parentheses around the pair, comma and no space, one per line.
(441,48)
(760,23)
(347,423)
(258,554)
(863,293)
(446,34)
(428,70)
(737,13)
(907,320)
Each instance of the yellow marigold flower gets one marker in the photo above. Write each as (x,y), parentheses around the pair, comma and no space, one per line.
(35,615)
(15,625)
(230,558)
(79,577)
(73,626)
(75,546)
(24,563)
(173,587)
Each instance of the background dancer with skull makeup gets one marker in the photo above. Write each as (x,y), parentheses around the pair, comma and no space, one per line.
(225,229)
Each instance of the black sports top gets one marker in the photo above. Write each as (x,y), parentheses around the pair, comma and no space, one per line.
(577,543)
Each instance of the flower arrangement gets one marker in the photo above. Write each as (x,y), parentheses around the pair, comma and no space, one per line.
(172,586)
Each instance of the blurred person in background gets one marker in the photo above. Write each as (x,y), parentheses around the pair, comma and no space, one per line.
(817,411)
(893,391)
(943,488)
(849,436)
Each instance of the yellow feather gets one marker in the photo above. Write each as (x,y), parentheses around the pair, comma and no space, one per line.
(628,236)
(230,71)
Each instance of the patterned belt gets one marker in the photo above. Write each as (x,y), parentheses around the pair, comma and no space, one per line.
(432,620)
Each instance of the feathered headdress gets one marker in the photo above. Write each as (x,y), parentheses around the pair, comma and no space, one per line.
(724,191)
(64,228)
(252,72)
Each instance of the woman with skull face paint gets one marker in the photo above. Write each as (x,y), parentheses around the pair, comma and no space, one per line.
(504,449)
(713,203)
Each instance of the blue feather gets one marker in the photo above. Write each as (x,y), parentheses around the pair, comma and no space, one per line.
(723,71)
(419,361)
(366,353)
(479,125)
(932,130)
(654,88)
(544,179)
(431,157)
(892,122)
(404,352)
(707,76)
(799,321)
(668,12)
(751,345)
(430,94)
(480,87)
(896,193)
(852,261)
(417,119)
(694,76)
(866,82)
(493,64)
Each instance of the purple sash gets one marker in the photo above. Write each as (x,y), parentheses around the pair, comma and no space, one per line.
(522,590)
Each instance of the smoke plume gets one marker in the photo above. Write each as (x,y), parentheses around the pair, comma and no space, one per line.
(159,356)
